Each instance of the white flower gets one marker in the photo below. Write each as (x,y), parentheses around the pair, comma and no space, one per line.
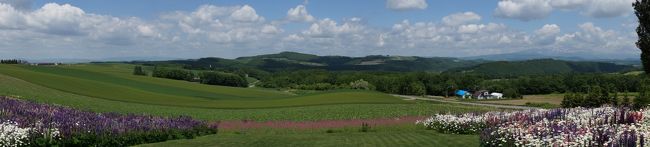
(12,136)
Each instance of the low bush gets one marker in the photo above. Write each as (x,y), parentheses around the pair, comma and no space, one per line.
(30,124)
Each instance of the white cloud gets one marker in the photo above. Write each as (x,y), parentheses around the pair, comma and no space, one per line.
(299,14)
(61,19)
(246,14)
(523,9)
(591,38)
(327,28)
(462,40)
(293,38)
(547,34)
(61,30)
(461,18)
(11,18)
(19,4)
(406,4)
(148,31)
(608,8)
(537,9)
(382,40)
(568,4)
(548,29)
(271,29)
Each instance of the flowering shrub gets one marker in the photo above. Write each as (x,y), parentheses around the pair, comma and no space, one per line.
(464,124)
(12,135)
(26,123)
(605,126)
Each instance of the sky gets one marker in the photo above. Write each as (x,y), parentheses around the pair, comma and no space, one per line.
(100,29)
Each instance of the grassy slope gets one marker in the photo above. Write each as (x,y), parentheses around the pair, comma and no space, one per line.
(384,136)
(116,83)
(400,136)
(15,87)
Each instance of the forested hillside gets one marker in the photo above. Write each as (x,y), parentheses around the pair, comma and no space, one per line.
(541,67)
(290,61)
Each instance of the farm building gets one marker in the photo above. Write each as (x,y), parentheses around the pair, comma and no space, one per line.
(46,64)
(481,94)
(464,94)
(495,95)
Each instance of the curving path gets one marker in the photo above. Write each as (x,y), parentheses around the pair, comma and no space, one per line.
(407,97)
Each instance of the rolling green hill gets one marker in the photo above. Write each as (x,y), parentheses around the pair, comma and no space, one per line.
(115,82)
(292,61)
(541,67)
(289,61)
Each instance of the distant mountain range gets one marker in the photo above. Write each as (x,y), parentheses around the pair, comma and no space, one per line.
(291,61)
(541,67)
(631,59)
(297,61)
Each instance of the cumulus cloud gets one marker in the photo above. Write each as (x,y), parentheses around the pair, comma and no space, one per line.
(608,8)
(246,14)
(62,30)
(19,4)
(327,28)
(11,18)
(406,4)
(67,20)
(270,29)
(548,29)
(547,34)
(568,4)
(461,40)
(523,9)
(461,18)
(299,14)
(591,38)
(536,9)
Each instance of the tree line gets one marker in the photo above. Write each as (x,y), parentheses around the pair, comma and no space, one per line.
(423,83)
(12,61)
(597,96)
(205,77)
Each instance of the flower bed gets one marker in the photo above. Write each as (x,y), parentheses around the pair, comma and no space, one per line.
(25,123)
(604,126)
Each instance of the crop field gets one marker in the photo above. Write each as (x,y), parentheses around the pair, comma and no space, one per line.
(112,88)
(15,87)
(115,83)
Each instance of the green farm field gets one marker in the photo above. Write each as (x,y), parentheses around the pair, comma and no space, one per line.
(384,106)
(114,82)
(112,88)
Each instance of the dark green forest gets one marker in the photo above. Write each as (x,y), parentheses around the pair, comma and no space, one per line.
(402,75)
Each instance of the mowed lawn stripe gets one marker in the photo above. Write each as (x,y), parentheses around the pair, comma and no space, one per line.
(118,92)
(381,138)
(125,71)
(100,89)
(214,94)
(417,140)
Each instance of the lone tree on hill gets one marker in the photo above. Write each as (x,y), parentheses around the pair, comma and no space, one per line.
(137,70)
(642,11)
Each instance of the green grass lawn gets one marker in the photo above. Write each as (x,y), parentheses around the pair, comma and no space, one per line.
(114,82)
(406,135)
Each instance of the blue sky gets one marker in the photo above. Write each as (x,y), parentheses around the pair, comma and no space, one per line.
(198,28)
(373,11)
